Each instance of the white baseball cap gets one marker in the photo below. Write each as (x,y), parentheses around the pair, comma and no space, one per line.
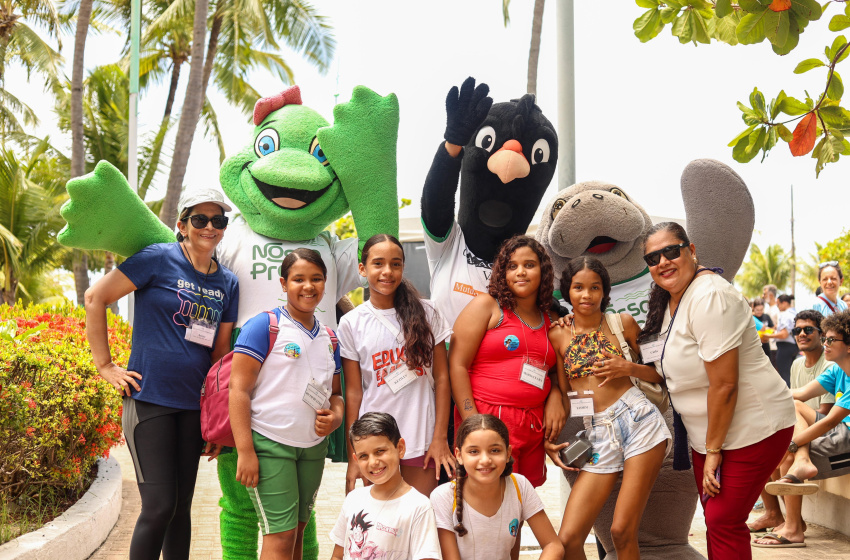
(199,196)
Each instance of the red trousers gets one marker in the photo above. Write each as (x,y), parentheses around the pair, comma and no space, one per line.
(743,474)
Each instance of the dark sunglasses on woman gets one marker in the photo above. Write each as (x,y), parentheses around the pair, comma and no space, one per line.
(200,221)
(808,330)
(670,253)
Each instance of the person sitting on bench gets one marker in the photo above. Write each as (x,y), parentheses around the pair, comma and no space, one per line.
(821,443)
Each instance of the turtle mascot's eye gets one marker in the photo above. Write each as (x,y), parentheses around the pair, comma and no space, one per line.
(267,142)
(486,138)
(540,152)
(316,152)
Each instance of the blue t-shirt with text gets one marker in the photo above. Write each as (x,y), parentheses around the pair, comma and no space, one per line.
(169,294)
(834,380)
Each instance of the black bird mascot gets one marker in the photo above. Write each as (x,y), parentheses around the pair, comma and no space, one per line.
(505,156)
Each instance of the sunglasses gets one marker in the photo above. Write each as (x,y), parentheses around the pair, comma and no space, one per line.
(827,263)
(827,341)
(200,221)
(670,253)
(808,330)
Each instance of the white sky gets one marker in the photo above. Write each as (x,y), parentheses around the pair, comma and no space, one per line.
(643,110)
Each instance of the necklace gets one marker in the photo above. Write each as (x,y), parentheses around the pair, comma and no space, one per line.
(378,515)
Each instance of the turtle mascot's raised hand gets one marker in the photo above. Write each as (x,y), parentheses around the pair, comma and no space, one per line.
(604,221)
(297,175)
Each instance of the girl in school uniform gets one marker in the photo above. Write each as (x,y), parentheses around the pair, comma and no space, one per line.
(284,402)
(394,360)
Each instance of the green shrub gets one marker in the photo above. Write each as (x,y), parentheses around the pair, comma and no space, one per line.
(57,415)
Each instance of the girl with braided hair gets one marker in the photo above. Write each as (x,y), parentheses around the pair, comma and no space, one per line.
(480,514)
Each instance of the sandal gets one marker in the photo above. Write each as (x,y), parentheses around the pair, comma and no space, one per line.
(781,542)
(792,487)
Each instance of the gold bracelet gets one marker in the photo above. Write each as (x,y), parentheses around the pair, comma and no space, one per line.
(718,450)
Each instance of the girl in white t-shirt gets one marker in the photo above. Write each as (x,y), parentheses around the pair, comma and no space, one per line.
(480,514)
(394,360)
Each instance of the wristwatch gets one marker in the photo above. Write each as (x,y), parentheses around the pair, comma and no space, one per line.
(792,447)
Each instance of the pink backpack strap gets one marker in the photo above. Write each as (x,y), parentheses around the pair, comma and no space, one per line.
(273,330)
(334,340)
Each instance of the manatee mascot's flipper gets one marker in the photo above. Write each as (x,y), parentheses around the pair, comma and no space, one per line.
(297,175)
(603,221)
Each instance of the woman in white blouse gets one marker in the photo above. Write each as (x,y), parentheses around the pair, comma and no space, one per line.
(738,412)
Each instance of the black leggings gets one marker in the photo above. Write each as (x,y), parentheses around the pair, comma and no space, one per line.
(786,353)
(166,447)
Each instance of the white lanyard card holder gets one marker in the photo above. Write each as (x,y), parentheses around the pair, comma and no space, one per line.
(533,373)
(201,332)
(581,405)
(652,350)
(316,394)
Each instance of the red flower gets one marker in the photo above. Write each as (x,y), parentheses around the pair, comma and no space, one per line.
(31,403)
(30,431)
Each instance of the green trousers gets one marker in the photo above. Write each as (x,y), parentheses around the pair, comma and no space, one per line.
(238,520)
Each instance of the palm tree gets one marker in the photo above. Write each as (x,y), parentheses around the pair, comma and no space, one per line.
(534,48)
(20,44)
(32,187)
(773,266)
(242,37)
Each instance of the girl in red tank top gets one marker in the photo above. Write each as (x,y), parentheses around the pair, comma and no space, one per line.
(500,357)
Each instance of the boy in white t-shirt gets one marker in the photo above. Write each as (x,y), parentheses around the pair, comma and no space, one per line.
(388,520)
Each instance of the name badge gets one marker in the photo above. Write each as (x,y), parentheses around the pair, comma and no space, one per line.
(316,395)
(532,375)
(399,378)
(651,351)
(581,406)
(201,333)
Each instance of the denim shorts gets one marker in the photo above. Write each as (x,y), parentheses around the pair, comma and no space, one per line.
(629,427)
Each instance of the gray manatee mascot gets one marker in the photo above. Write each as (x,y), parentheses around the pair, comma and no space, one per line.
(601,220)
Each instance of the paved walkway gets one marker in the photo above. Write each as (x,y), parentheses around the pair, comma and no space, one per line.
(822,543)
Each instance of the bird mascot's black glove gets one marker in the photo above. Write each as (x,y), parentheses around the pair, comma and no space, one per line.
(465,111)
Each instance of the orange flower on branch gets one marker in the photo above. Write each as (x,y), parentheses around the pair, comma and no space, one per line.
(804,135)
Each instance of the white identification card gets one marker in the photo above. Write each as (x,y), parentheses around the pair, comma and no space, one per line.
(651,351)
(399,378)
(316,395)
(581,406)
(201,333)
(532,375)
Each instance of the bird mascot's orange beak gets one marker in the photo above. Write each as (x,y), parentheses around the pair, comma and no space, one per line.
(508,163)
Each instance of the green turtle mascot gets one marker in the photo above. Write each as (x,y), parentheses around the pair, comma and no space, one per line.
(298,174)
(602,220)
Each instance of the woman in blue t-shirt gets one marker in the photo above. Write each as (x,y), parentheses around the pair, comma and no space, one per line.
(186,304)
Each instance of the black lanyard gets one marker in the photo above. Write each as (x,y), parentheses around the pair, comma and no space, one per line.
(195,272)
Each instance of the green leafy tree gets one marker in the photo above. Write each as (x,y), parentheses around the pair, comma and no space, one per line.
(21,45)
(32,187)
(821,121)
(773,266)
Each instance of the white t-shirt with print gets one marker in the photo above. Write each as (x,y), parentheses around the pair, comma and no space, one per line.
(493,537)
(364,339)
(255,260)
(457,275)
(399,529)
(802,376)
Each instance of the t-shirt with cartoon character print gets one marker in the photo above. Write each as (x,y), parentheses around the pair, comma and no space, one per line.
(171,297)
(488,537)
(399,529)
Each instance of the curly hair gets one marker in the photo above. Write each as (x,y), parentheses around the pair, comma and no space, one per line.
(809,315)
(838,323)
(498,287)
